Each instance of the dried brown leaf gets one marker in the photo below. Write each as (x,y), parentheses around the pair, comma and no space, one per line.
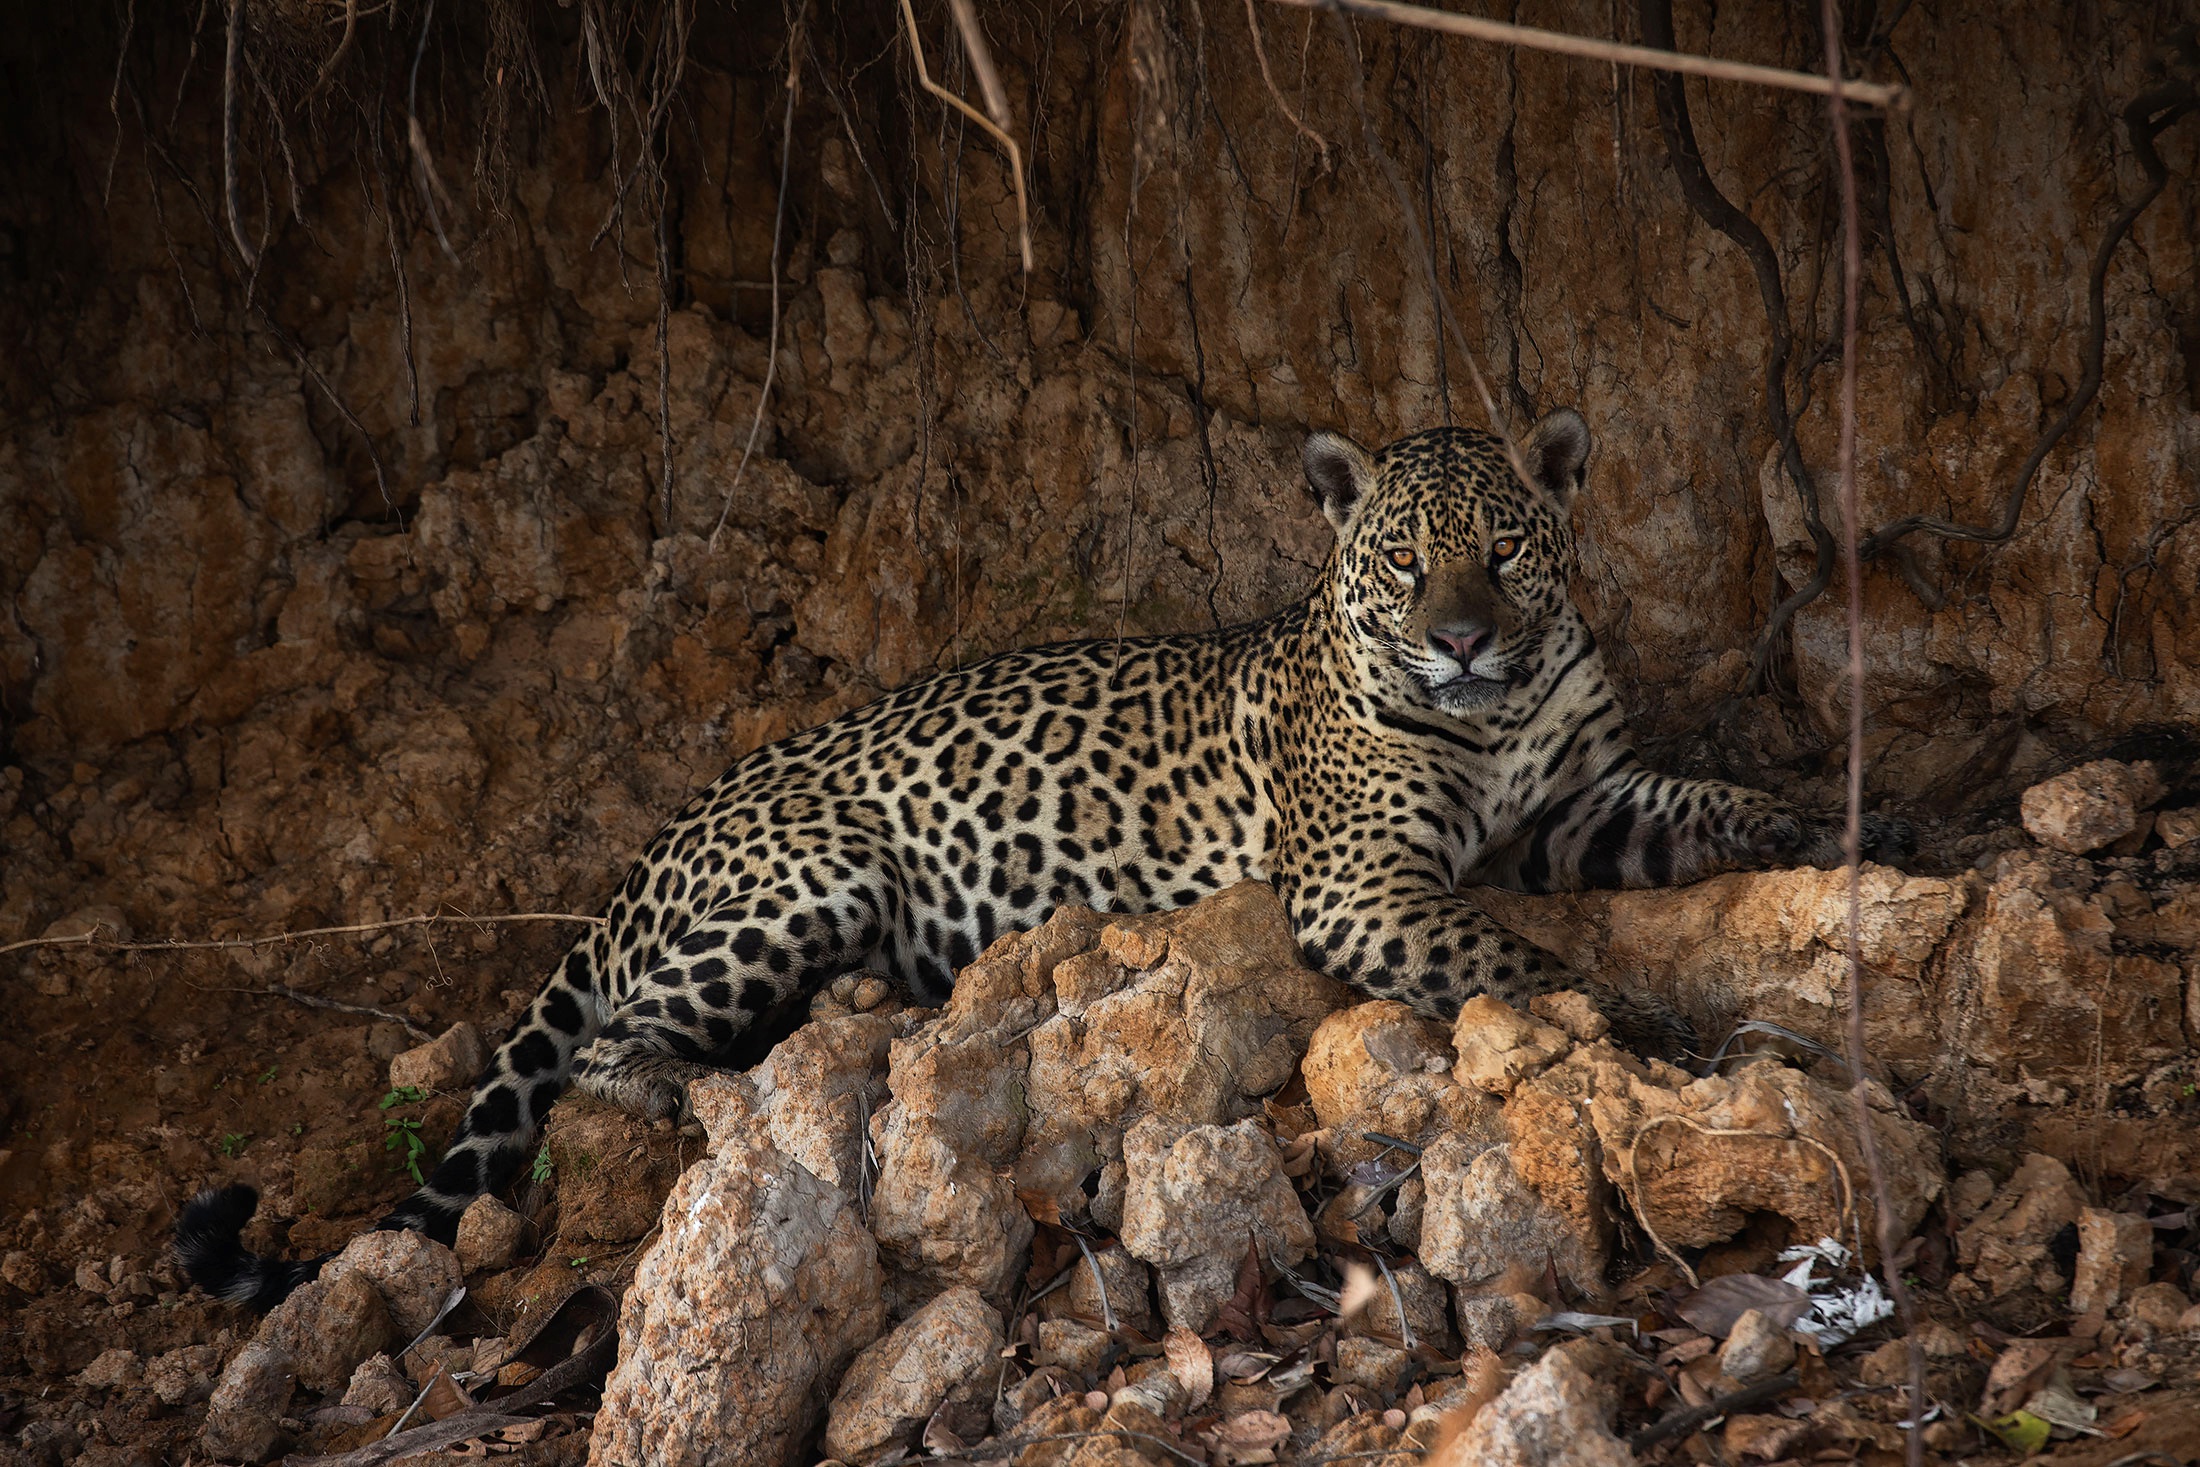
(1714,1307)
(1192,1363)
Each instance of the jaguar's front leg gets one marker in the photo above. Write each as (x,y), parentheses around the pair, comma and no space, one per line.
(1395,929)
(1635,828)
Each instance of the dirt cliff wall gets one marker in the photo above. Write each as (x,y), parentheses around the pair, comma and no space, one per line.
(360,581)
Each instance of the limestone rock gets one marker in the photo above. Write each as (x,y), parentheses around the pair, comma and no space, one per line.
(2006,1246)
(1427,1318)
(896,1383)
(182,1376)
(1191,1016)
(113,1370)
(1481,1218)
(448,1062)
(1499,1046)
(2178,828)
(1756,1349)
(1554,1414)
(612,1172)
(1196,1197)
(1381,1067)
(762,1287)
(2157,1307)
(412,1272)
(1370,1364)
(1129,1287)
(2085,808)
(2115,1256)
(1076,1347)
(1017,1095)
(244,1418)
(1784,1132)
(326,1327)
(379,1386)
(489,1235)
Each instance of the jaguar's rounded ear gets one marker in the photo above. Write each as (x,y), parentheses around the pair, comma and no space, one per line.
(1340,473)
(1556,453)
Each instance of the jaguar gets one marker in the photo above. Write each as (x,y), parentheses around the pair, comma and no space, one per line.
(1435,714)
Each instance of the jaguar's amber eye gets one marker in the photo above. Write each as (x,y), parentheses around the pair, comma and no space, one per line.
(1505,547)
(1403,558)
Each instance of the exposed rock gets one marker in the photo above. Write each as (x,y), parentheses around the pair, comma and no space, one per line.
(1481,1218)
(489,1235)
(2115,1256)
(1017,1094)
(379,1386)
(1554,1414)
(1196,1198)
(2157,1307)
(448,1062)
(1427,1310)
(762,1287)
(2178,828)
(114,1370)
(1696,1159)
(412,1272)
(1499,1046)
(1371,1365)
(612,1170)
(896,1383)
(326,1327)
(1129,1292)
(1755,1349)
(2085,808)
(1381,1067)
(244,1418)
(182,1376)
(2006,1246)
(1076,1347)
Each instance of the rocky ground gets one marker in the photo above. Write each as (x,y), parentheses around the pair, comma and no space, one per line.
(1148,1190)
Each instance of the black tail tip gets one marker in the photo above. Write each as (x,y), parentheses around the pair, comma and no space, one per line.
(208,1247)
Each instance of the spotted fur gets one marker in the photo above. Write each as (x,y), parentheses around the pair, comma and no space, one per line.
(1434,715)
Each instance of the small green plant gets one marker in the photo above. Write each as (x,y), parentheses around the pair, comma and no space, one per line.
(404,1139)
(269,1077)
(580,1262)
(403,1095)
(543,1165)
(297,1128)
(233,1143)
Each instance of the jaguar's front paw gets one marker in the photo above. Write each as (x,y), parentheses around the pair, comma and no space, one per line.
(1887,840)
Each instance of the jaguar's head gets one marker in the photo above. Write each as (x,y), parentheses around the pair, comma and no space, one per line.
(1449,570)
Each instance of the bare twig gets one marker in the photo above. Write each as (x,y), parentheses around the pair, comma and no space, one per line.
(230,194)
(779,221)
(1686,1421)
(981,61)
(431,183)
(1894,98)
(315,1001)
(91,937)
(1260,54)
(1867,1136)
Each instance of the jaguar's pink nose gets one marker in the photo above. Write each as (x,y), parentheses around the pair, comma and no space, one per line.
(1460,642)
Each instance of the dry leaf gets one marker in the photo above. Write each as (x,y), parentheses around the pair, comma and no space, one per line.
(2018,1373)
(443,1397)
(2124,1425)
(1714,1307)
(1192,1363)
(1243,1367)
(1042,1207)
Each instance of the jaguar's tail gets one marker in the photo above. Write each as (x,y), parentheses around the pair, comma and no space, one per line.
(208,1246)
